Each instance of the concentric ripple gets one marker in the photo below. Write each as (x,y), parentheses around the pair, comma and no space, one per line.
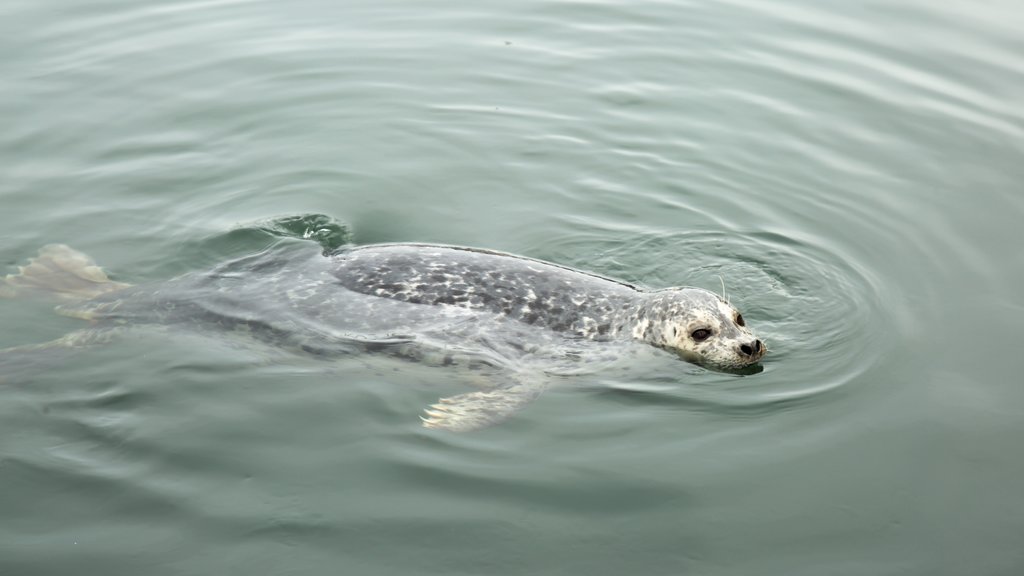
(812,306)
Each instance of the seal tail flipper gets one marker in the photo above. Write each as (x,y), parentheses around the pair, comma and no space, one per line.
(476,410)
(62,272)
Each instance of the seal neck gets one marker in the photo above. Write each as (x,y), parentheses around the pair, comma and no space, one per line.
(650,322)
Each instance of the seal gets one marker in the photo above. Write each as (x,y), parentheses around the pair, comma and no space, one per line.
(514,321)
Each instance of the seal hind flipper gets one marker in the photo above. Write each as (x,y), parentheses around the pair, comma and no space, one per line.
(62,272)
(476,410)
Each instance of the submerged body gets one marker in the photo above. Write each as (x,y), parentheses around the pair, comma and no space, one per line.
(516,317)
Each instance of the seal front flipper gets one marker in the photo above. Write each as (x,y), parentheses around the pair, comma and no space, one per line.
(476,410)
(60,271)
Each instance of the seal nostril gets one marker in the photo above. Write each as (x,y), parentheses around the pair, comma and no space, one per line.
(751,349)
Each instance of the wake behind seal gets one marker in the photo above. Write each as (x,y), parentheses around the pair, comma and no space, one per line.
(519,317)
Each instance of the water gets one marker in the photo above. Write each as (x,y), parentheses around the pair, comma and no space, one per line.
(851,171)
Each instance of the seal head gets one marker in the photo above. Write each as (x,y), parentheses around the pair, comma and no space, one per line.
(700,326)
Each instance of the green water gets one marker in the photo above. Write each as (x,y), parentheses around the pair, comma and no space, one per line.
(852,171)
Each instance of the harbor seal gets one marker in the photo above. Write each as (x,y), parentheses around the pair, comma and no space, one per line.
(514,320)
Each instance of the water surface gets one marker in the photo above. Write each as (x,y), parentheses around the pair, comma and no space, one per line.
(850,171)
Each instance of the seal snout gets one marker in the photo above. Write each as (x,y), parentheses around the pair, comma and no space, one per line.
(753,349)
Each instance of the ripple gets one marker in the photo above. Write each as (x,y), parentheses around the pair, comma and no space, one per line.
(823,314)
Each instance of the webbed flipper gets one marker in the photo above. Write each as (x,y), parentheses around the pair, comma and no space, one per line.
(62,272)
(476,410)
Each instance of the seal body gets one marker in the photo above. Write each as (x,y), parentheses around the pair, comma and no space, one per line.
(515,320)
(694,322)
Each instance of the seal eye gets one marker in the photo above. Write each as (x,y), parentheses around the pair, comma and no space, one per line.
(701,334)
(739,320)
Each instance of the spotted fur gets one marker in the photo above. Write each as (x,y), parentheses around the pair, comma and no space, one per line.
(549,296)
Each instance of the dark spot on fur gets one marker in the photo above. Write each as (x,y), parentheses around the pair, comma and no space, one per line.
(392,288)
